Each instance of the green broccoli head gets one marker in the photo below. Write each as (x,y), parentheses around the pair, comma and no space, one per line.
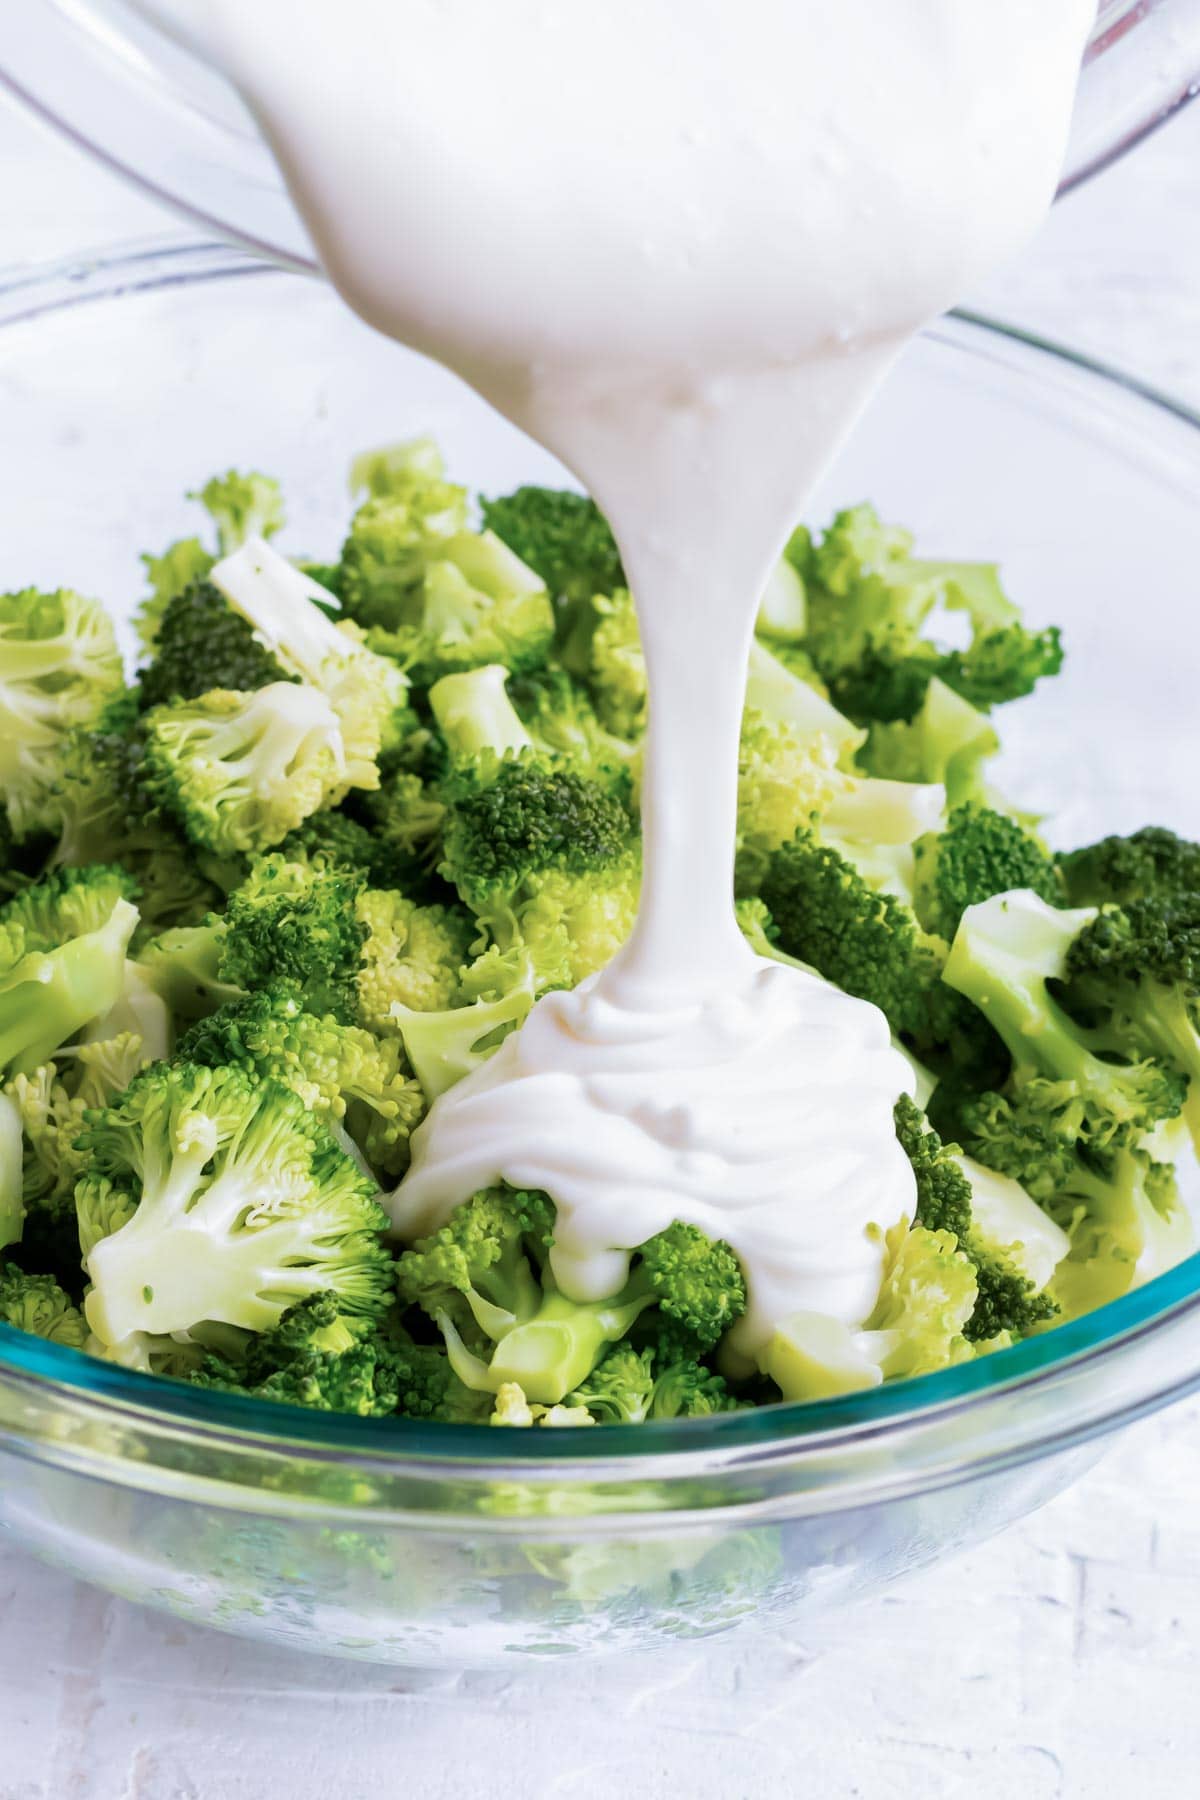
(181,566)
(240,771)
(322,1357)
(36,1304)
(562,536)
(289,614)
(62,960)
(242,506)
(202,644)
(978,854)
(1151,864)
(59,667)
(224,1200)
(342,1073)
(1007,955)
(297,924)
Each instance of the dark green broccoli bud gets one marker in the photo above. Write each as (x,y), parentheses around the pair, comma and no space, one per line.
(980,853)
(297,924)
(36,1304)
(864,939)
(697,1282)
(1002,665)
(212,1197)
(342,1074)
(528,819)
(1152,864)
(336,840)
(482,1270)
(322,1357)
(563,537)
(202,644)
(943,1191)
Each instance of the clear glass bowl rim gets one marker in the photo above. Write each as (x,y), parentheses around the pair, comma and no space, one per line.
(789,1430)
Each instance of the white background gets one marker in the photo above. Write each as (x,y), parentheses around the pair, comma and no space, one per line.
(1061,1660)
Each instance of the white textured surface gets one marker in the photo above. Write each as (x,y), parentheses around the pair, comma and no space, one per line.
(1059,1661)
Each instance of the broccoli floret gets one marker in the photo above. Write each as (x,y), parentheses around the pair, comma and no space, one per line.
(285,607)
(1134,976)
(336,840)
(547,860)
(615,664)
(928,1294)
(333,1361)
(181,566)
(869,601)
(1008,1297)
(59,667)
(948,741)
(410,514)
(410,467)
(495,996)
(1008,952)
(621,1388)
(242,507)
(1152,864)
(297,924)
(563,537)
(224,1200)
(240,771)
(978,854)
(36,1304)
(202,644)
(412,958)
(62,960)
(869,942)
(106,811)
(476,603)
(478,722)
(1126,1223)
(486,1280)
(789,781)
(340,1072)
(559,714)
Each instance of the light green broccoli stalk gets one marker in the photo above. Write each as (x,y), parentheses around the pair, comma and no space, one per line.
(12,1159)
(210,1196)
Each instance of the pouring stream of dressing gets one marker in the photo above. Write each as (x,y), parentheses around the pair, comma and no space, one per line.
(680,249)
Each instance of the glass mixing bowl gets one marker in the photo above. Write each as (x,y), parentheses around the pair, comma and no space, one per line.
(127,382)
(102,72)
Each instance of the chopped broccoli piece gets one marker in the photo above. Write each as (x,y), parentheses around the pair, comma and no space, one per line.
(242,507)
(341,1072)
(12,1172)
(184,967)
(297,924)
(62,961)
(240,771)
(979,853)
(224,1200)
(1152,864)
(59,668)
(445,1046)
(412,958)
(180,567)
(36,1304)
(202,644)
(562,536)
(284,606)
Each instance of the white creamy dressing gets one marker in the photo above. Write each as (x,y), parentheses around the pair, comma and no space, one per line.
(679,246)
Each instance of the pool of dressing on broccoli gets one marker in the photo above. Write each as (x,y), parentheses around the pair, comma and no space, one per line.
(679,248)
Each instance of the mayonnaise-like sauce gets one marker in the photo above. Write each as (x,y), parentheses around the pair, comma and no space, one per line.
(679,246)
